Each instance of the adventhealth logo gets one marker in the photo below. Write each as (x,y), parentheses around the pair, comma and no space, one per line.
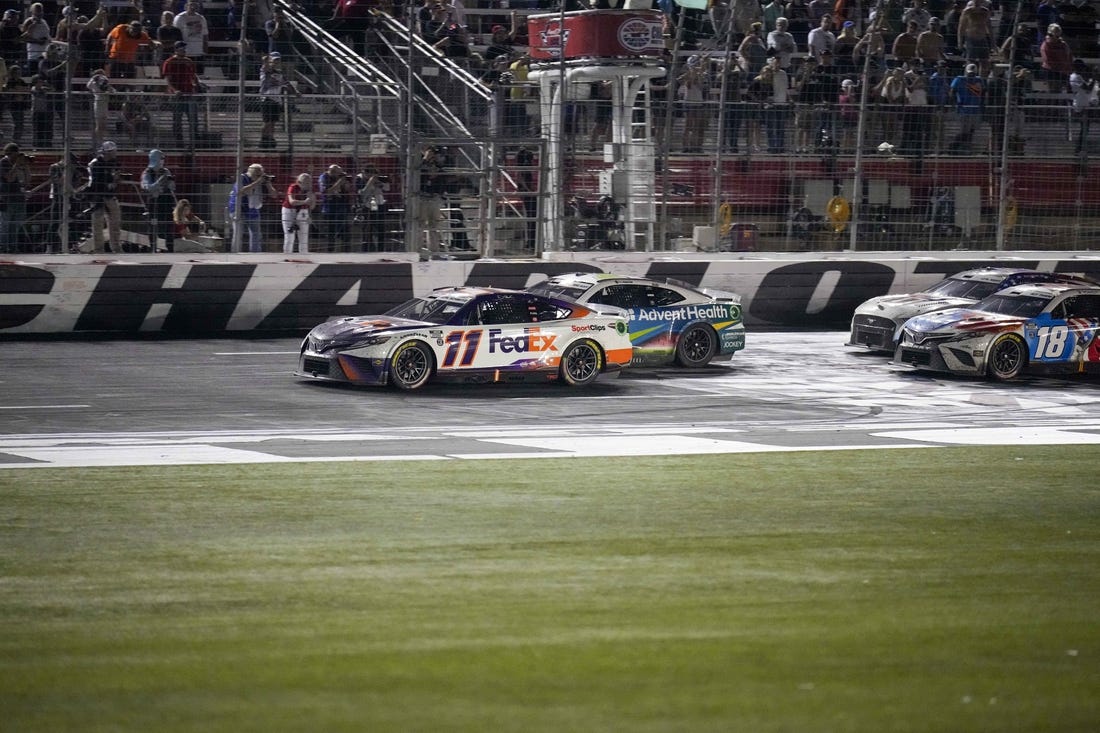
(687,312)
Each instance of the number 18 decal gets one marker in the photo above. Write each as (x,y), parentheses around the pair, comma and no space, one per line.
(1052,342)
(457,339)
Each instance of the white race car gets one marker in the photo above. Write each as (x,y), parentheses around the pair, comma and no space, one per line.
(669,321)
(470,335)
(877,322)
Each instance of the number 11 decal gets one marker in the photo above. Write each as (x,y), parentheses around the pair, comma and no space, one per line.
(455,340)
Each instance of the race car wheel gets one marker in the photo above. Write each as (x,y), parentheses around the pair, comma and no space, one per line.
(581,363)
(696,346)
(1007,357)
(411,365)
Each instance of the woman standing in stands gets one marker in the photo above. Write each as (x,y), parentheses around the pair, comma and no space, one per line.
(297,204)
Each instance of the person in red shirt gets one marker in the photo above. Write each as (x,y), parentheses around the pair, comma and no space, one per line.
(180,74)
(296,207)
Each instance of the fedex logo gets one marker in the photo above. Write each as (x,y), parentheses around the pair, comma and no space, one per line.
(532,340)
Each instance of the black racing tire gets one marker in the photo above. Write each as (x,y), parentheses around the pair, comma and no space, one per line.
(581,363)
(696,346)
(1007,357)
(411,365)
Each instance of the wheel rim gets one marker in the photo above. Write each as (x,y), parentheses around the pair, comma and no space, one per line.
(1007,357)
(581,362)
(411,365)
(696,345)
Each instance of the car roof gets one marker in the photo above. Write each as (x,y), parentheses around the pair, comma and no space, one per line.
(1050,290)
(586,279)
(1018,275)
(989,274)
(466,292)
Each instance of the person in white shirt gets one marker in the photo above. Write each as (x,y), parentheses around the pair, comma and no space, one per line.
(1082,87)
(822,38)
(782,43)
(196,34)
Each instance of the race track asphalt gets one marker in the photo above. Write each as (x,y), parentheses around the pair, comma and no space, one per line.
(134,402)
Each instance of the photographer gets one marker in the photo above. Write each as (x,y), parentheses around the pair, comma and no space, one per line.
(14,175)
(246,199)
(158,189)
(299,200)
(102,196)
(337,193)
(372,209)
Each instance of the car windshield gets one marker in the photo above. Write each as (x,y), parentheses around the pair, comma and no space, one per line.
(954,288)
(430,310)
(549,289)
(1013,305)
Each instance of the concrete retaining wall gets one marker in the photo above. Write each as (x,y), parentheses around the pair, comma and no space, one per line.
(256,294)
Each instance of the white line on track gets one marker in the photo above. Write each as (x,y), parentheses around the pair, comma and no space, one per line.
(42,407)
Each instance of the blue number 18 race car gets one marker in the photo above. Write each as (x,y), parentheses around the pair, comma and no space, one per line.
(1052,327)
(469,335)
(668,321)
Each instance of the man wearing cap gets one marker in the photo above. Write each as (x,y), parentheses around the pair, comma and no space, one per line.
(196,33)
(123,43)
(502,41)
(182,79)
(968,91)
(273,85)
(158,188)
(337,194)
(246,199)
(102,197)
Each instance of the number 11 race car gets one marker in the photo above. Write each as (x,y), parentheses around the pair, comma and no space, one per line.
(1050,327)
(473,335)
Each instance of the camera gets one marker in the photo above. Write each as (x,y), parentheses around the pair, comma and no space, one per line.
(382,179)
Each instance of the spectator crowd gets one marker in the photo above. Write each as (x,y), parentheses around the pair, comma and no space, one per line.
(794,77)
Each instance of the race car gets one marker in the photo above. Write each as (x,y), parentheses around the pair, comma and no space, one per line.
(669,321)
(876,322)
(1035,328)
(474,335)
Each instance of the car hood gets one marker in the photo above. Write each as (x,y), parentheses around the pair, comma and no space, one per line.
(962,320)
(900,307)
(348,330)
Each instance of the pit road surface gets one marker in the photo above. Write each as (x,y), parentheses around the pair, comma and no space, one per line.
(99,403)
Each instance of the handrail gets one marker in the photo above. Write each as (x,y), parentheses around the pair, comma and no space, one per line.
(400,30)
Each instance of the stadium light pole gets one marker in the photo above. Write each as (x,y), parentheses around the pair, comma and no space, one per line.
(856,204)
(1005,181)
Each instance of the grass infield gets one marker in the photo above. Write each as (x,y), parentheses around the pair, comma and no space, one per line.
(892,590)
